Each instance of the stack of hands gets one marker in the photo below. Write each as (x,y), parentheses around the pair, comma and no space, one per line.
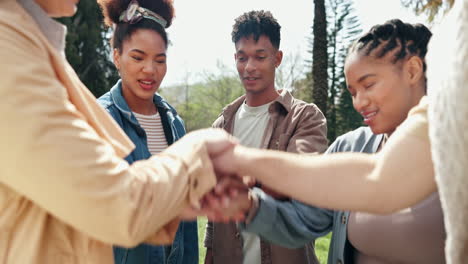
(231,198)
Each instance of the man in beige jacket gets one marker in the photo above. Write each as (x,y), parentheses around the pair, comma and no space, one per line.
(66,194)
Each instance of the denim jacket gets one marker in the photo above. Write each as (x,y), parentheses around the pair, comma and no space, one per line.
(184,249)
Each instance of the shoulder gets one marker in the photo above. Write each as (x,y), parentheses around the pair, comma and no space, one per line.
(360,132)
(105,100)
(172,112)
(352,141)
(417,124)
(218,123)
(161,101)
(19,32)
(306,114)
(25,53)
(228,111)
(108,104)
(301,107)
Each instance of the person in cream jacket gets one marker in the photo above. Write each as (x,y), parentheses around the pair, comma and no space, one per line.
(66,193)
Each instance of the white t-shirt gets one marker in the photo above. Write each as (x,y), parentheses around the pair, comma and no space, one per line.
(249,127)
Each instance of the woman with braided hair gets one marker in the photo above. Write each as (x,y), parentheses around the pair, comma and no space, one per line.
(385,74)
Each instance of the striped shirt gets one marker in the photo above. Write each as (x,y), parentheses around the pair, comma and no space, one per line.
(155,137)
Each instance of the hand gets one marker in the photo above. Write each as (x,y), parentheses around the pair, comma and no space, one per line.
(237,209)
(217,141)
(229,201)
(190,214)
(225,162)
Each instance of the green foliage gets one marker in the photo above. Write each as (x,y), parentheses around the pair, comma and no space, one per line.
(200,104)
(302,88)
(431,8)
(290,71)
(343,28)
(347,117)
(201,222)
(322,246)
(88,48)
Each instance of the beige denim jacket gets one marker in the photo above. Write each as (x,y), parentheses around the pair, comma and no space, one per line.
(294,126)
(66,194)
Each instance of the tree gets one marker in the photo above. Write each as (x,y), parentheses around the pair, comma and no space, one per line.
(343,27)
(202,102)
(319,56)
(431,8)
(347,117)
(88,49)
(289,72)
(301,89)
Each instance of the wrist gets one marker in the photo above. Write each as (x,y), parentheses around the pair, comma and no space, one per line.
(241,159)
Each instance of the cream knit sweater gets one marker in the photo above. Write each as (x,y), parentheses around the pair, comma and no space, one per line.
(448,121)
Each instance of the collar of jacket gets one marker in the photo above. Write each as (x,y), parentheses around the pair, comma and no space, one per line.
(13,16)
(284,101)
(52,30)
(119,101)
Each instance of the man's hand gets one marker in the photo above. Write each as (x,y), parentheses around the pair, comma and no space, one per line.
(218,141)
(229,201)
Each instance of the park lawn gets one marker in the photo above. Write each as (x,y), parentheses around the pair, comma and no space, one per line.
(321,245)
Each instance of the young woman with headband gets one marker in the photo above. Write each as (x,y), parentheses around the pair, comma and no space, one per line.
(140,44)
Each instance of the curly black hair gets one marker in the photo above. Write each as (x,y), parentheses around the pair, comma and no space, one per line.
(112,9)
(394,35)
(256,24)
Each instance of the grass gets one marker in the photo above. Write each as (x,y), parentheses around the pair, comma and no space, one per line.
(201,235)
(321,245)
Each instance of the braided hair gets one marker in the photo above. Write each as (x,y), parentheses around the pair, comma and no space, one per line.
(112,9)
(394,36)
(256,24)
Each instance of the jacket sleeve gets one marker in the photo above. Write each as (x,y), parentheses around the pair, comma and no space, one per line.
(208,239)
(311,133)
(219,122)
(290,223)
(59,162)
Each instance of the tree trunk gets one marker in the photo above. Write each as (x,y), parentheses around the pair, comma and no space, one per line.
(320,57)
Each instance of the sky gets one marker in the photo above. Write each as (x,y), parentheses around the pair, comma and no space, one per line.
(201,31)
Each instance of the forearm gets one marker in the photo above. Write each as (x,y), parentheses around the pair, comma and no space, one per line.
(305,172)
(56,151)
(398,177)
(65,155)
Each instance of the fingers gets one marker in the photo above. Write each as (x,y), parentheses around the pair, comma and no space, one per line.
(249,181)
(228,201)
(234,209)
(218,141)
(230,185)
